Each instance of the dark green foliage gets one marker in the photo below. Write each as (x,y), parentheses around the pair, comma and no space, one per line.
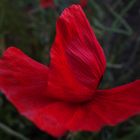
(117,25)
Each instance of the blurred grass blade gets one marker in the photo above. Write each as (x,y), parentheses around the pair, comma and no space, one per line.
(121,21)
(124,11)
(12,132)
(97,7)
(109,29)
(2,15)
(132,136)
(115,66)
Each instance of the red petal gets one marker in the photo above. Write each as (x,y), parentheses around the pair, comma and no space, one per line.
(109,107)
(47,3)
(24,82)
(77,60)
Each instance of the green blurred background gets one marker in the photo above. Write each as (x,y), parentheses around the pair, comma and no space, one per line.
(23,23)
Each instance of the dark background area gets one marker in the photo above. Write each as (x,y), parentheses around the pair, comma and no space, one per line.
(24,24)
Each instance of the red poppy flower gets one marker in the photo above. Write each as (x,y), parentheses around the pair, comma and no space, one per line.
(47,3)
(83,3)
(64,96)
(50,3)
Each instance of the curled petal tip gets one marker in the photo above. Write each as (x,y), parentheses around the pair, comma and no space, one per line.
(12,50)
